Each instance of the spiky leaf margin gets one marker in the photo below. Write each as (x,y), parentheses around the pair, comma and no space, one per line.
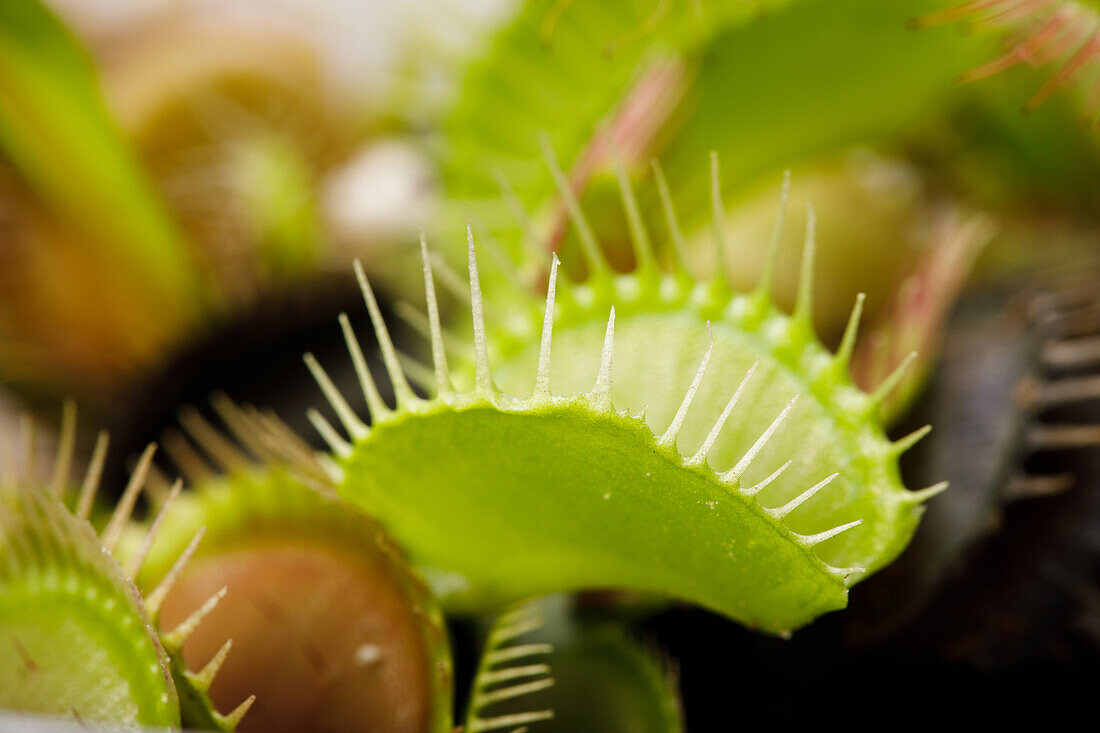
(525,497)
(54,569)
(264,483)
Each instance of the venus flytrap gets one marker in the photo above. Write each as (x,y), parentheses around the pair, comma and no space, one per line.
(780,498)
(331,628)
(78,643)
(86,643)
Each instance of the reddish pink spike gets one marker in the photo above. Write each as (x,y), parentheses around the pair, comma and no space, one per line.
(1024,31)
(958,12)
(1079,60)
(1008,12)
(1021,52)
(1062,45)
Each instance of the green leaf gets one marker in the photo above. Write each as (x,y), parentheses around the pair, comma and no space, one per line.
(556,492)
(77,640)
(765,82)
(56,131)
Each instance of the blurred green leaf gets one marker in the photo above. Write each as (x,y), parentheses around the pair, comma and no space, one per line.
(766,84)
(560,68)
(56,132)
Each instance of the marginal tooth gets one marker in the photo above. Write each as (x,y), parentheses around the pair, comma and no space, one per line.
(513,673)
(679,243)
(848,343)
(757,488)
(377,407)
(233,719)
(1062,437)
(813,539)
(1049,303)
(518,651)
(483,376)
(223,451)
(510,631)
(669,436)
(66,440)
(542,377)
(92,476)
(923,495)
(155,599)
(593,255)
(187,459)
(782,511)
(803,309)
(887,386)
(712,436)
(903,444)
(179,635)
(1076,323)
(205,677)
(389,356)
(1030,486)
(1035,394)
(600,396)
(330,467)
(843,574)
(248,433)
(1072,353)
(484,699)
(125,508)
(435,330)
(351,422)
(284,443)
(338,445)
(514,616)
(499,722)
(718,219)
(639,237)
(133,566)
(733,476)
(767,278)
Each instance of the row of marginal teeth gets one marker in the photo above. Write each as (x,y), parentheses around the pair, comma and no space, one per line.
(438,381)
(507,671)
(173,639)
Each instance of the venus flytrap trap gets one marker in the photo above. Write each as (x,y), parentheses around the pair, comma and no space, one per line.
(786,494)
(510,669)
(603,680)
(85,642)
(77,641)
(1000,344)
(331,629)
